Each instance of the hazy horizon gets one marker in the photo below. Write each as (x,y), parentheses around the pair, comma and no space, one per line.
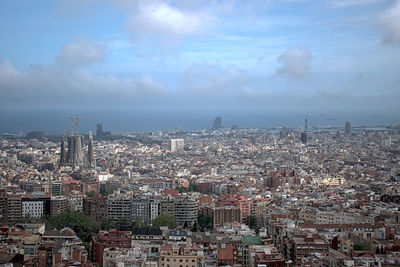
(56,122)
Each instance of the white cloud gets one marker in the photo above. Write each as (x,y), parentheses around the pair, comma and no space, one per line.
(150,84)
(295,62)
(166,23)
(202,85)
(79,53)
(54,86)
(390,21)
(8,71)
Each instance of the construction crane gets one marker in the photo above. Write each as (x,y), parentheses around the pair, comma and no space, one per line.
(77,118)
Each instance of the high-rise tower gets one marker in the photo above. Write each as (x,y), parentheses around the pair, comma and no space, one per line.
(305,125)
(347,128)
(99,130)
(91,159)
(217,123)
(303,138)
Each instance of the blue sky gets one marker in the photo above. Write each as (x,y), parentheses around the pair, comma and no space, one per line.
(300,55)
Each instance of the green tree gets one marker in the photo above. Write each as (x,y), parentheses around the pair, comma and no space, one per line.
(106,224)
(192,187)
(358,246)
(84,226)
(205,221)
(182,189)
(124,224)
(252,222)
(28,219)
(91,193)
(194,227)
(138,222)
(165,220)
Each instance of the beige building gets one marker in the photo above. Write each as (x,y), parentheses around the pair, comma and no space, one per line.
(58,205)
(341,218)
(307,216)
(119,206)
(181,256)
(258,207)
(14,208)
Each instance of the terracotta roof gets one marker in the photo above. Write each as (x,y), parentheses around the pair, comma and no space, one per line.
(225,253)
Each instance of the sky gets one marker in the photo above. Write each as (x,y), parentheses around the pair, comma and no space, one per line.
(299,56)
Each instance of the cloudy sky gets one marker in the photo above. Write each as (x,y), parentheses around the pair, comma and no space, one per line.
(308,55)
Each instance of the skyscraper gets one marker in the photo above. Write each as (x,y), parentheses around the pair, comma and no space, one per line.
(99,130)
(305,125)
(303,138)
(91,159)
(347,128)
(217,123)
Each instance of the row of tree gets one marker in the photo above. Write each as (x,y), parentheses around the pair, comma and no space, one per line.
(85,227)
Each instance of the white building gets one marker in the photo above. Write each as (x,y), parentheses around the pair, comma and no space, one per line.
(154,210)
(177,145)
(32,208)
(75,202)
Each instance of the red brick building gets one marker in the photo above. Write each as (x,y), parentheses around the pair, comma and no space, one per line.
(242,202)
(95,207)
(71,185)
(227,254)
(269,259)
(226,214)
(205,187)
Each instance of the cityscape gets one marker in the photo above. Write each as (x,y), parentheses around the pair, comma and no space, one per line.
(221,196)
(170,133)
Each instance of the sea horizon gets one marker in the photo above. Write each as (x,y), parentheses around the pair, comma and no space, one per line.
(54,122)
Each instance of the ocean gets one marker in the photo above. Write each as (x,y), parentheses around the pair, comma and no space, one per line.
(137,120)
